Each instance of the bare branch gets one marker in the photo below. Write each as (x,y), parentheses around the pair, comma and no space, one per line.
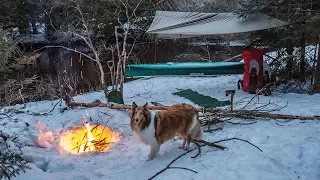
(49,15)
(135,9)
(168,166)
(134,43)
(126,7)
(69,49)
(239,140)
(173,167)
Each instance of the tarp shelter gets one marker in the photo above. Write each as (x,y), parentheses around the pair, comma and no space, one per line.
(174,25)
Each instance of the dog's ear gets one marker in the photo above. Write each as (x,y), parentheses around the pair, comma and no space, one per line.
(145,106)
(134,106)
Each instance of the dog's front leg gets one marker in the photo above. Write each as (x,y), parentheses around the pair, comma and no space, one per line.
(183,144)
(153,151)
(188,140)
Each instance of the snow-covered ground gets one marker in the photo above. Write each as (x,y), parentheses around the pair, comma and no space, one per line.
(291,150)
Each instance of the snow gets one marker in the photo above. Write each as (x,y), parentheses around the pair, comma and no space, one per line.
(290,148)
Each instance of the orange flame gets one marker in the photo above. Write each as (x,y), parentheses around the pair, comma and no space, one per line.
(87,145)
(88,138)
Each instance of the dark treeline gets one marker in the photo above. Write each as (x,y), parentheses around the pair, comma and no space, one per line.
(30,25)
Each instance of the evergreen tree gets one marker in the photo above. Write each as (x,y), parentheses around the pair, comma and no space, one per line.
(11,165)
(297,34)
(11,162)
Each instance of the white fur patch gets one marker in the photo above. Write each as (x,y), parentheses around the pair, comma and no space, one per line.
(193,123)
(147,136)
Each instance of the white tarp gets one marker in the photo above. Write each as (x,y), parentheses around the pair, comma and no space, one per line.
(170,24)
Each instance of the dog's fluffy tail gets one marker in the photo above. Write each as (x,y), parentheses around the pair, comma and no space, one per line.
(196,132)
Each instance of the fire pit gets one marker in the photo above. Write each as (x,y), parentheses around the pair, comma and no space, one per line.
(88,138)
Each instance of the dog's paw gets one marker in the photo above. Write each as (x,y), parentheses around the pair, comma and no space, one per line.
(150,158)
(181,147)
(186,148)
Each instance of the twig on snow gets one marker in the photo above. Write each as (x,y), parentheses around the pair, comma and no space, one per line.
(258,93)
(212,130)
(173,167)
(234,123)
(199,149)
(200,143)
(54,106)
(212,144)
(239,140)
(279,124)
(168,166)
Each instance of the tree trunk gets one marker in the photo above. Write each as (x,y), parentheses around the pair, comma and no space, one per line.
(318,62)
(34,28)
(316,84)
(314,62)
(302,73)
(116,94)
(290,60)
(102,78)
(124,58)
(101,70)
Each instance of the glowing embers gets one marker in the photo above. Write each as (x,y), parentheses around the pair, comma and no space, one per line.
(88,138)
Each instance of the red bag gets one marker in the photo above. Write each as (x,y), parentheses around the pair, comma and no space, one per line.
(253,69)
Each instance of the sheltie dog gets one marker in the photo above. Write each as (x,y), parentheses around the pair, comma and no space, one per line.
(154,128)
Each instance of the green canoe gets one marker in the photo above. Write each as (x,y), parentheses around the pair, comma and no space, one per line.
(184,69)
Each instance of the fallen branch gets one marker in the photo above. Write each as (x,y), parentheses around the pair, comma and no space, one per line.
(199,149)
(258,114)
(220,115)
(173,167)
(238,140)
(234,123)
(212,144)
(212,130)
(17,111)
(245,114)
(54,106)
(98,103)
(168,166)
(200,143)
(267,86)
(9,116)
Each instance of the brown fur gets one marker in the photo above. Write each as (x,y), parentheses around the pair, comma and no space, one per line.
(175,121)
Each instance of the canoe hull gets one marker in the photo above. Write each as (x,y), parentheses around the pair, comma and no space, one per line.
(184,69)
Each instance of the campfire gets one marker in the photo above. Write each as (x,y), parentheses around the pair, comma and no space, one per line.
(88,138)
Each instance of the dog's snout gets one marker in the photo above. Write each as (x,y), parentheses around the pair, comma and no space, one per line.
(137,120)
